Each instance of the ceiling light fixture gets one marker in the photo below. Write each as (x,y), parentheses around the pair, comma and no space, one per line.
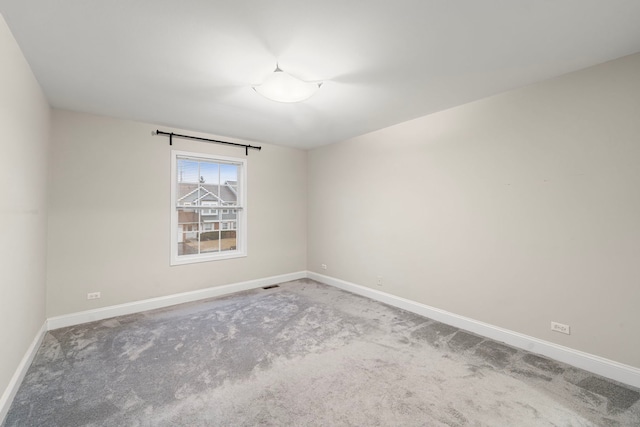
(283,87)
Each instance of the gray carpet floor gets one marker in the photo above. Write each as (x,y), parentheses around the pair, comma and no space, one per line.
(302,354)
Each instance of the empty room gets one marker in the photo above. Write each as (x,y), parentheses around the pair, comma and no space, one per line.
(337,213)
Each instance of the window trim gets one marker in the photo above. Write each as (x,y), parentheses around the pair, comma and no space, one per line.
(241,215)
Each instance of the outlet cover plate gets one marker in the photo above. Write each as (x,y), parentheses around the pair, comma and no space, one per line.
(559,327)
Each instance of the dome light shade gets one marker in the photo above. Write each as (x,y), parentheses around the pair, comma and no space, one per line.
(283,87)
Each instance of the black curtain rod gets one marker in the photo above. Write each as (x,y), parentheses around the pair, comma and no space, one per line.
(197,138)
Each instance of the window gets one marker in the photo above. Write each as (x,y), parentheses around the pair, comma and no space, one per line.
(201,182)
(209,211)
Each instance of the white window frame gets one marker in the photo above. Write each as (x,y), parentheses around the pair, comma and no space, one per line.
(241,208)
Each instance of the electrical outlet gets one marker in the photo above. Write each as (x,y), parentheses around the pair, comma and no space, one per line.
(93,295)
(559,327)
(323,266)
(379,281)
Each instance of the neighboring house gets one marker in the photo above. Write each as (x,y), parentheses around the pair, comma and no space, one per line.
(211,214)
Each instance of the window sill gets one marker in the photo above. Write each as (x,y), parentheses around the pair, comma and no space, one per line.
(192,259)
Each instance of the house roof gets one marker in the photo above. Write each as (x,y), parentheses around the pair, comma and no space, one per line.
(192,193)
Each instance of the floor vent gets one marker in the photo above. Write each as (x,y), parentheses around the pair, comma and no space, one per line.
(271,287)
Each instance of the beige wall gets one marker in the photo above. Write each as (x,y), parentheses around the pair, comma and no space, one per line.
(516,210)
(109,214)
(24,121)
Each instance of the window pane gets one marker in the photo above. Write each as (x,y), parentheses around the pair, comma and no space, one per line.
(209,173)
(228,230)
(229,240)
(228,196)
(229,219)
(188,171)
(210,241)
(187,232)
(229,174)
(187,194)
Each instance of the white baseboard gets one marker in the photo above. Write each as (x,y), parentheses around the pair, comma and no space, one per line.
(14,384)
(598,365)
(166,301)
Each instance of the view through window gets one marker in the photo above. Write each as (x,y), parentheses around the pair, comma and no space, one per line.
(208,207)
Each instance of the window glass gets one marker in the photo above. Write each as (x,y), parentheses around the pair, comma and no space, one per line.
(200,183)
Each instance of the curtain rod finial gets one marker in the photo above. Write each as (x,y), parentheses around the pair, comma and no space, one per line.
(154,132)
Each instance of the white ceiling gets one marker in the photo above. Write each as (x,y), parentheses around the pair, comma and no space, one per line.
(191,63)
